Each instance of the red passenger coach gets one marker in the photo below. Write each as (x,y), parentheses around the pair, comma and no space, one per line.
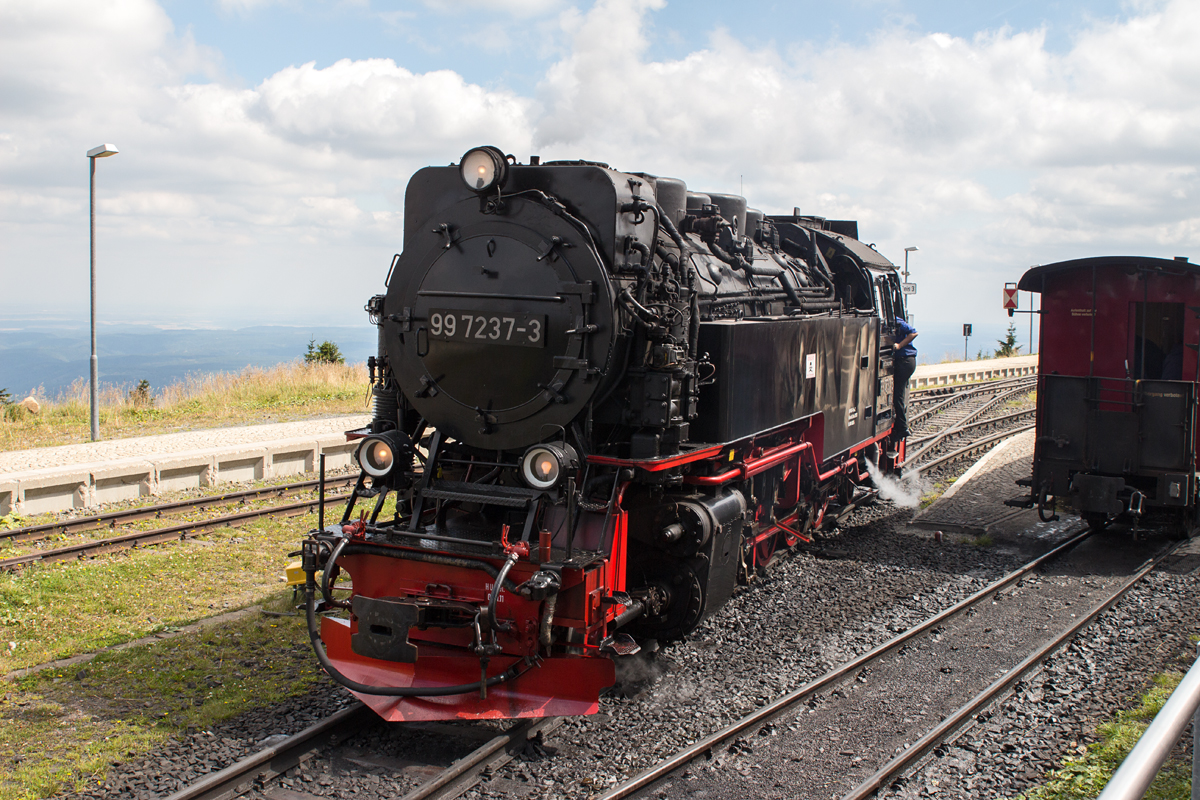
(1116,427)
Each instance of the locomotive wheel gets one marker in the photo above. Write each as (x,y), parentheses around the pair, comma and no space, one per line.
(1096,522)
(764,553)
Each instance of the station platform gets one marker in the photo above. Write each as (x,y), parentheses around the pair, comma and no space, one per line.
(49,479)
(988,369)
(974,504)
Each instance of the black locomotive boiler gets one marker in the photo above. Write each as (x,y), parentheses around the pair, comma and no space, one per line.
(601,401)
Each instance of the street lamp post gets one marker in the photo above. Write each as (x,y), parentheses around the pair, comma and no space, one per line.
(102,151)
(908,250)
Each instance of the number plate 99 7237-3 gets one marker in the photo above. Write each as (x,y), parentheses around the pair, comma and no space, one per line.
(524,330)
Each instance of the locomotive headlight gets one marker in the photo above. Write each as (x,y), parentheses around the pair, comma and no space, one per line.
(378,455)
(483,168)
(543,465)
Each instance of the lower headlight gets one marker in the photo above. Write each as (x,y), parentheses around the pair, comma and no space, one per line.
(543,465)
(378,455)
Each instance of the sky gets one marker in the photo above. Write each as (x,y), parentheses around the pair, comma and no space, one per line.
(265,144)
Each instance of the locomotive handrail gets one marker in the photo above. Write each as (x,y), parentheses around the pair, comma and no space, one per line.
(1137,771)
(751,466)
(658,464)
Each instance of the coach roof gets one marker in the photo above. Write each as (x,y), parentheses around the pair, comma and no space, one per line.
(1031,280)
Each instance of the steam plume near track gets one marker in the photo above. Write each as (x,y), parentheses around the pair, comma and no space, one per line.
(904,491)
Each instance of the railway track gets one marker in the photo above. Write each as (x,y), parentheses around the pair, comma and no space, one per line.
(40,533)
(967,402)
(944,395)
(258,770)
(772,713)
(971,417)
(952,724)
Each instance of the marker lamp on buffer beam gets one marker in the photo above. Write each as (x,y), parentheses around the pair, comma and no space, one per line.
(543,465)
(378,455)
(483,169)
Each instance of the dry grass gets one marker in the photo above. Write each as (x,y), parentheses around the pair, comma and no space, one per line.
(281,393)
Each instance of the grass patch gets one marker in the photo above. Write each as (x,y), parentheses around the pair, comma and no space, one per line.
(61,729)
(1086,775)
(980,541)
(277,394)
(53,611)
(934,491)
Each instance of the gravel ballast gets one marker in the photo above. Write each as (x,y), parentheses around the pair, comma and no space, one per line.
(817,608)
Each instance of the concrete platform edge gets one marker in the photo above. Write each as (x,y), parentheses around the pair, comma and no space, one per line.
(78,486)
(920,521)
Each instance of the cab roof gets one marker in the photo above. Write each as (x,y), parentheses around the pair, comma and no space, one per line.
(1031,281)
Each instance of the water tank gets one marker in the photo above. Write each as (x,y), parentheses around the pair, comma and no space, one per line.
(672,196)
(733,209)
(753,217)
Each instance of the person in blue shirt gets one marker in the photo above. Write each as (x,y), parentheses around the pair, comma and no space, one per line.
(904,359)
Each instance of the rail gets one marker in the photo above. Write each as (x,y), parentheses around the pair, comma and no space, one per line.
(1137,771)
(948,727)
(789,700)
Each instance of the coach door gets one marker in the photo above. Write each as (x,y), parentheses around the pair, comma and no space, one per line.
(1155,341)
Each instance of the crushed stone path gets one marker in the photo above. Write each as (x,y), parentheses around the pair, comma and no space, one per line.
(975,503)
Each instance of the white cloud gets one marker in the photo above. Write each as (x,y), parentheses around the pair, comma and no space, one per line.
(246,6)
(1100,140)
(374,108)
(516,8)
(990,153)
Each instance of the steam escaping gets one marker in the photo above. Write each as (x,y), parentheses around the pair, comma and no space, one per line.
(638,672)
(904,491)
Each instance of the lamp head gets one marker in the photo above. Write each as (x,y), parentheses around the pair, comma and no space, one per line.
(483,169)
(103,151)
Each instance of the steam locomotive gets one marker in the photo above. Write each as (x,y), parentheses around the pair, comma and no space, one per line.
(601,402)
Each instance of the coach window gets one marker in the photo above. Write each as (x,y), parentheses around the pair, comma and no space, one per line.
(1156,339)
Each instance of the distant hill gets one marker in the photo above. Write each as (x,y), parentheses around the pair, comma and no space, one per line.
(53,357)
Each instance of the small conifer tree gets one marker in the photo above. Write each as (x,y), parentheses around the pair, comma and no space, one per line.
(139,396)
(1008,345)
(324,353)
